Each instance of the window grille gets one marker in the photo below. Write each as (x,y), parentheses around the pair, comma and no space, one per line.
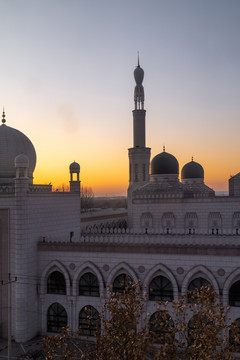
(160,289)
(88,285)
(56,317)
(56,283)
(89,321)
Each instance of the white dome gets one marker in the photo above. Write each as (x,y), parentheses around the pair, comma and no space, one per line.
(13,143)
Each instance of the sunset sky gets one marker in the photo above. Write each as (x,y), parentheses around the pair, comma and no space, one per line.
(66,81)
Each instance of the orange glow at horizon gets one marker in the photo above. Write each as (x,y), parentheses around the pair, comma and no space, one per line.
(103,155)
(109,179)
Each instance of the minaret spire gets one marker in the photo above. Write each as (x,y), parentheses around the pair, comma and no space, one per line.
(139,90)
(139,154)
(3,117)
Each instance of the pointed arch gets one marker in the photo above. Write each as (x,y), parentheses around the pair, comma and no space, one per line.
(57,317)
(231,279)
(161,325)
(162,270)
(88,266)
(168,222)
(146,220)
(55,265)
(199,271)
(232,337)
(88,321)
(120,269)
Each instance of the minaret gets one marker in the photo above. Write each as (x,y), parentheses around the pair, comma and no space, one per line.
(139,155)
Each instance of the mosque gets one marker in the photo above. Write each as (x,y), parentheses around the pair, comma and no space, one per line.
(179,236)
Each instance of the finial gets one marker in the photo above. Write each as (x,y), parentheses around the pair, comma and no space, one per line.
(3,117)
(164,148)
(192,158)
(139,90)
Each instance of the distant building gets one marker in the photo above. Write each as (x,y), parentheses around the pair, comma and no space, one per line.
(178,236)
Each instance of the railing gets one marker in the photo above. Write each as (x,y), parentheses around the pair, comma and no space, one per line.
(40,188)
(7,189)
(97,230)
(156,239)
(183,241)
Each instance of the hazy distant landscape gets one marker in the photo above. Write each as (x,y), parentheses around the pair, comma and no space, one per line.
(113,202)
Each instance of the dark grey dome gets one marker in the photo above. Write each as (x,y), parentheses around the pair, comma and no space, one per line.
(74,167)
(164,163)
(138,75)
(13,143)
(192,170)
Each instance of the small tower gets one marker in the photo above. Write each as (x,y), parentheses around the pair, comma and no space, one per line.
(22,180)
(234,185)
(139,155)
(74,168)
(21,165)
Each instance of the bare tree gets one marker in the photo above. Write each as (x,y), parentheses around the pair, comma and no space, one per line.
(198,329)
(87,197)
(61,188)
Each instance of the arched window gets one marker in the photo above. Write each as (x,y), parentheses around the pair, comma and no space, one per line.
(88,285)
(56,317)
(144,171)
(161,289)
(232,336)
(136,172)
(236,223)
(56,283)
(191,222)
(191,329)
(234,294)
(89,321)
(214,222)
(197,330)
(168,222)
(146,220)
(122,282)
(198,283)
(162,327)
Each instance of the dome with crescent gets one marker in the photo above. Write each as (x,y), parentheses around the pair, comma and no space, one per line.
(13,143)
(164,164)
(192,170)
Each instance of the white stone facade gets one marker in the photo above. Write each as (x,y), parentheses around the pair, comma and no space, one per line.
(29,214)
(180,260)
(178,231)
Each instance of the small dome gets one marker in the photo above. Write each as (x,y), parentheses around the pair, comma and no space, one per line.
(22,161)
(138,75)
(192,170)
(13,143)
(164,163)
(74,167)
